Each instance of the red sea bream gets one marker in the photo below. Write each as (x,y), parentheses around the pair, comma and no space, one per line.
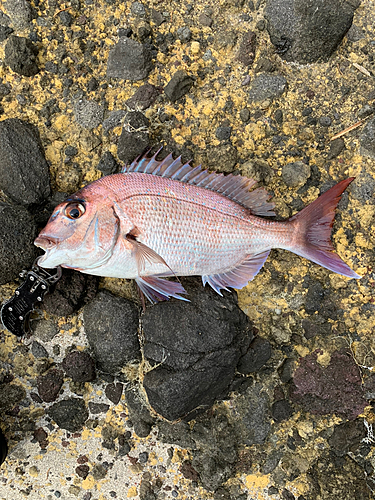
(163,218)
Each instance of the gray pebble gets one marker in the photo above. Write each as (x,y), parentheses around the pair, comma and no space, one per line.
(88,114)
(65,18)
(306,35)
(367,110)
(295,174)
(114,120)
(184,34)
(134,138)
(266,86)
(71,151)
(325,121)
(367,139)
(143,457)
(96,408)
(38,351)
(138,9)
(69,414)
(336,147)
(223,133)
(45,329)
(178,86)
(278,116)
(363,188)
(107,164)
(129,60)
(245,115)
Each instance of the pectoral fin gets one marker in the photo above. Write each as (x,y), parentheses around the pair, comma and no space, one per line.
(157,289)
(142,254)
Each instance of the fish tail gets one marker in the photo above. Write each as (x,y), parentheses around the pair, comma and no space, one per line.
(314,226)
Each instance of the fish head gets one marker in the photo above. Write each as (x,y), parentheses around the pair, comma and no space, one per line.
(81,232)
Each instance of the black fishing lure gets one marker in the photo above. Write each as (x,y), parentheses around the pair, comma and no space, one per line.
(15,312)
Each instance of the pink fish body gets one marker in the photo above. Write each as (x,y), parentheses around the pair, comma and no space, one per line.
(162,218)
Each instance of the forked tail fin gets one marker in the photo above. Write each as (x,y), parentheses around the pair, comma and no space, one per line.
(314,226)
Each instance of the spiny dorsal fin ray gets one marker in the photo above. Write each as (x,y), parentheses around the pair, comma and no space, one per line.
(232,186)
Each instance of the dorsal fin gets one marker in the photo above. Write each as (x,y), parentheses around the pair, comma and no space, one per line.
(232,186)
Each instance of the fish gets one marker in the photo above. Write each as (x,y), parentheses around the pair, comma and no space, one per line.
(162,218)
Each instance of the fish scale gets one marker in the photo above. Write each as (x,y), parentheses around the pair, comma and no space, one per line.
(222,231)
(163,218)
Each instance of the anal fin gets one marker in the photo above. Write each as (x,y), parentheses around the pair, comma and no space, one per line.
(239,276)
(157,289)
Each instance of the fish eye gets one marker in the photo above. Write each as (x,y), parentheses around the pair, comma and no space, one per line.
(74,210)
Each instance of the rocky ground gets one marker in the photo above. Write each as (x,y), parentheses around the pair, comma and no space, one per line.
(262,394)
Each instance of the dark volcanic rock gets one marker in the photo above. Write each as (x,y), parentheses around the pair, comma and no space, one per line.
(281,410)
(363,188)
(20,13)
(69,414)
(223,133)
(285,371)
(215,440)
(96,408)
(41,436)
(266,86)
(71,292)
(336,147)
(107,164)
(50,384)
(138,413)
(38,351)
(134,138)
(296,174)
(305,31)
(246,52)
(45,329)
(347,437)
(17,233)
(114,120)
(199,344)
(21,55)
(367,139)
(254,408)
(143,97)
(340,479)
(24,174)
(178,86)
(129,60)
(82,471)
(5,31)
(336,388)
(222,158)
(111,326)
(79,366)
(114,392)
(10,395)
(258,354)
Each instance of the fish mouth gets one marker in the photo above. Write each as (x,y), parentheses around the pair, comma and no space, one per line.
(52,258)
(46,242)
